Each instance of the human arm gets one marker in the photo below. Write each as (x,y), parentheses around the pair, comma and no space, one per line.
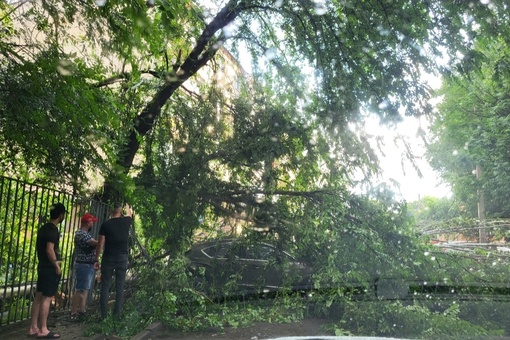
(52,256)
(99,249)
(129,211)
(92,242)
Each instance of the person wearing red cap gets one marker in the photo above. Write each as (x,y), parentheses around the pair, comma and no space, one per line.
(85,252)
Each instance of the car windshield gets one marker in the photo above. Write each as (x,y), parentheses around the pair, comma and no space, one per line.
(275,161)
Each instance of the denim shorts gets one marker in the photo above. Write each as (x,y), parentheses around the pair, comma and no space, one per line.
(84,275)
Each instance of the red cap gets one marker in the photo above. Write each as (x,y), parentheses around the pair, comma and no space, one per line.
(88,218)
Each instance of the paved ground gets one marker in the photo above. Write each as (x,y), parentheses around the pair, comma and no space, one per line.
(59,322)
(262,330)
(259,331)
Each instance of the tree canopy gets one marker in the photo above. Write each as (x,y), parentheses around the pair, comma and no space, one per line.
(367,56)
(471,128)
(89,87)
(152,97)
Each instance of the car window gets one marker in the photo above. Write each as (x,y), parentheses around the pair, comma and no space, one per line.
(260,252)
(218,251)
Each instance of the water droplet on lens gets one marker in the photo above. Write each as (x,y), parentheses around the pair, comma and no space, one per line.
(259,198)
(320,9)
(384,105)
(270,53)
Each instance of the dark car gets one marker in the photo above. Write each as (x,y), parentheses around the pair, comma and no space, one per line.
(246,267)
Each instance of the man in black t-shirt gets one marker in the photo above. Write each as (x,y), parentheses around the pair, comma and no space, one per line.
(48,273)
(114,235)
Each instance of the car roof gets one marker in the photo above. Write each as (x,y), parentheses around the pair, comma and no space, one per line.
(198,247)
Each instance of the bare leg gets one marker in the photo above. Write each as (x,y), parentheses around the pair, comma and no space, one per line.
(36,308)
(43,315)
(83,302)
(77,302)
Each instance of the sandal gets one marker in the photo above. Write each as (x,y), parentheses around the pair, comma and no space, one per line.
(50,335)
(73,317)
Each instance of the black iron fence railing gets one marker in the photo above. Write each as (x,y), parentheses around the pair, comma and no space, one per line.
(24,207)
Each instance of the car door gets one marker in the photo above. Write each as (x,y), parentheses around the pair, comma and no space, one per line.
(257,265)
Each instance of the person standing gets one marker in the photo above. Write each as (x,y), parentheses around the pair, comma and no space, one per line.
(114,236)
(48,273)
(85,251)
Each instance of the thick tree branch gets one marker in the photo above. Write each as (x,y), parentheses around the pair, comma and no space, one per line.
(199,56)
(125,76)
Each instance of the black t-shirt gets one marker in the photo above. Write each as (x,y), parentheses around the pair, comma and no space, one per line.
(116,233)
(47,233)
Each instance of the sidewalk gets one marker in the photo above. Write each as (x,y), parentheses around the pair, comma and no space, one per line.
(56,322)
(59,323)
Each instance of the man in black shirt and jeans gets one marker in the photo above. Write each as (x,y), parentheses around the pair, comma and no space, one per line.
(114,235)
(48,273)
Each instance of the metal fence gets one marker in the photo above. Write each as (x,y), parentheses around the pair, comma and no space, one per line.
(24,207)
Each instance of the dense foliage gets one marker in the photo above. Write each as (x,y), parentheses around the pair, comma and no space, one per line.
(151,98)
(431,210)
(471,130)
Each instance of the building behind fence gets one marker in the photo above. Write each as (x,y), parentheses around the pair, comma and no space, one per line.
(24,207)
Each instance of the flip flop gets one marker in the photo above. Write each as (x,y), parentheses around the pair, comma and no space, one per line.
(33,335)
(50,335)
